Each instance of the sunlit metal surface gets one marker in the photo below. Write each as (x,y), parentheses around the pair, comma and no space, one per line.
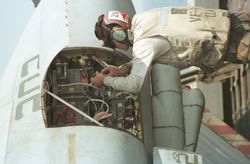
(215,150)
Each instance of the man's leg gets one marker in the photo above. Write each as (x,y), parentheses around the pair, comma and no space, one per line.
(239,44)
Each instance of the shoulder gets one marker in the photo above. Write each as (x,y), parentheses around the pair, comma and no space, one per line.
(156,44)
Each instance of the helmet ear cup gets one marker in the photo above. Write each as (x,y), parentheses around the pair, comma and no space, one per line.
(118,34)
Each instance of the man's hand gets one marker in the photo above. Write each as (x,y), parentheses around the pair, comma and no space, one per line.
(116,71)
(111,71)
(98,79)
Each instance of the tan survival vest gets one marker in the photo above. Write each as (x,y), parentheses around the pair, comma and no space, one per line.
(198,36)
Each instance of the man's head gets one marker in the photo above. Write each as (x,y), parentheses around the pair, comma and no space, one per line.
(112,27)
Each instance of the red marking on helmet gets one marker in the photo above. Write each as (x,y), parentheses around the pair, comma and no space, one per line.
(124,15)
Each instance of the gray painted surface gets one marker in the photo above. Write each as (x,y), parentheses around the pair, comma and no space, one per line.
(215,150)
(193,105)
(72,145)
(146,119)
(168,118)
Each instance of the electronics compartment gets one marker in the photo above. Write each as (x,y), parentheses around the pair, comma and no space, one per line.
(69,77)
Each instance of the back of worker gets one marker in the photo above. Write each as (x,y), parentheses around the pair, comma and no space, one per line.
(180,37)
(197,36)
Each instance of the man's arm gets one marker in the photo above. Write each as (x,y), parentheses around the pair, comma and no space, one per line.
(114,71)
(144,52)
(130,83)
(126,68)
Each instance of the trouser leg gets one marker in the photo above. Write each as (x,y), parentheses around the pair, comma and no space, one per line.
(239,45)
